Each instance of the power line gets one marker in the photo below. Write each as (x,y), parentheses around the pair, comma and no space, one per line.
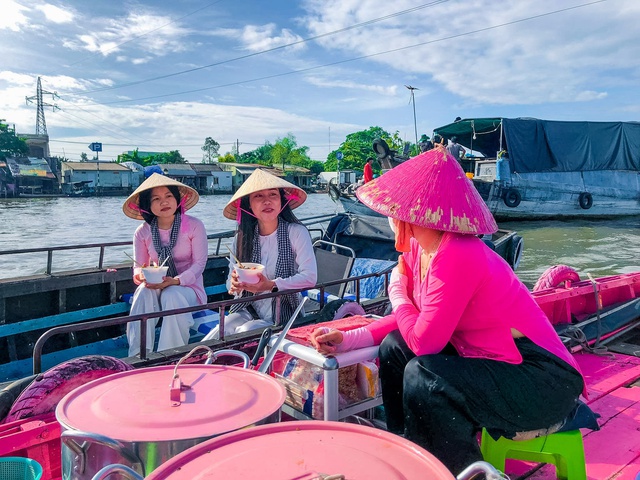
(100,118)
(102,52)
(298,42)
(362,57)
(152,144)
(108,132)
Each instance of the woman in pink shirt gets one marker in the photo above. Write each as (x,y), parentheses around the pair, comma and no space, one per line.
(466,346)
(166,234)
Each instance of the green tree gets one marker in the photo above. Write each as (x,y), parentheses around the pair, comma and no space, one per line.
(261,155)
(210,149)
(287,152)
(168,157)
(84,157)
(316,167)
(227,158)
(133,157)
(10,144)
(358,146)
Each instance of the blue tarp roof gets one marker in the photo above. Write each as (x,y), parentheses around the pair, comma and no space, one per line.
(552,146)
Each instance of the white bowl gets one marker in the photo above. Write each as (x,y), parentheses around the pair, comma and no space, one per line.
(250,273)
(154,274)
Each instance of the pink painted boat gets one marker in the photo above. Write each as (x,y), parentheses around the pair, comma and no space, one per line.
(599,321)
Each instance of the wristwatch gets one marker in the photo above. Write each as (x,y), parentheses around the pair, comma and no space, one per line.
(275,288)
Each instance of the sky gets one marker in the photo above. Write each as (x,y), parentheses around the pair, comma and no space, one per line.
(163,75)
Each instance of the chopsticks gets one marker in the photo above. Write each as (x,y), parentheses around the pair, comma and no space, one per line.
(133,260)
(234,257)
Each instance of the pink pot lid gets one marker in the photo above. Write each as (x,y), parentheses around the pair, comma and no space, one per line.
(305,450)
(136,406)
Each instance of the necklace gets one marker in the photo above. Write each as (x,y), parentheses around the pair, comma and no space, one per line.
(431,251)
(427,256)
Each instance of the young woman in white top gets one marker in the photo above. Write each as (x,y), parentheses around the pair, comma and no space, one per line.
(270,234)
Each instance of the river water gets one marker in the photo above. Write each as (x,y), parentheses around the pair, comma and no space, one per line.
(598,247)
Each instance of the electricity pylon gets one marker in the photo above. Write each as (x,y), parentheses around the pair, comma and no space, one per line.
(41,124)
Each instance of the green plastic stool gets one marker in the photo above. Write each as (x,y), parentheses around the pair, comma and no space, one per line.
(565,450)
(18,468)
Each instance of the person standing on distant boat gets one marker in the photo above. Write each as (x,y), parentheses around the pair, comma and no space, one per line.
(438,141)
(167,234)
(425,144)
(269,234)
(466,346)
(456,150)
(368,170)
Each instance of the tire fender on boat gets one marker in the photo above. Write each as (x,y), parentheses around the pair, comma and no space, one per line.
(512,198)
(515,251)
(334,193)
(337,309)
(44,393)
(585,200)
(10,393)
(555,276)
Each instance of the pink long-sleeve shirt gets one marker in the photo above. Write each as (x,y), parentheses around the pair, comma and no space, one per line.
(470,297)
(189,254)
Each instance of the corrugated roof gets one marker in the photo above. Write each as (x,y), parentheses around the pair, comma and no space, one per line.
(206,167)
(178,169)
(93,166)
(245,171)
(252,165)
(29,167)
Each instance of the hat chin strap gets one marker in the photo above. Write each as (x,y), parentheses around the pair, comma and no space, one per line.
(183,202)
(289,196)
(135,207)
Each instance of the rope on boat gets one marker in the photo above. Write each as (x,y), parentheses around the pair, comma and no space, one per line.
(598,308)
(576,333)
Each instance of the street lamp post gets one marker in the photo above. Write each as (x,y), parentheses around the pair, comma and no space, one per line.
(413,100)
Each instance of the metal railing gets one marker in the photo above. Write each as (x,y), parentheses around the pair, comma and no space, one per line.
(218,237)
(219,305)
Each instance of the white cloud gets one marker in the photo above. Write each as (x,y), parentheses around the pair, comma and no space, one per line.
(56,14)
(149,33)
(191,123)
(391,90)
(12,16)
(257,38)
(16,79)
(554,58)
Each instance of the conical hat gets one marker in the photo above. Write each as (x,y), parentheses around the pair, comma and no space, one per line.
(430,190)
(261,180)
(156,180)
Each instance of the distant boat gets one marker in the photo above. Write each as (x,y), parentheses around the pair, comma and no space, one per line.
(535,169)
(346,197)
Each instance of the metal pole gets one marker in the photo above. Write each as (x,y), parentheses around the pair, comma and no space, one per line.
(413,101)
(415,123)
(97,174)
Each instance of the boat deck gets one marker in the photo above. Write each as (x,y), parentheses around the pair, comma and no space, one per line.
(613,452)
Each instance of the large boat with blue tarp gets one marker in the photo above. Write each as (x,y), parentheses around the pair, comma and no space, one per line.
(526,168)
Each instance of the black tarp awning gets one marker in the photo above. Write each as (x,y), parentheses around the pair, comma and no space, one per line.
(551,146)
(485,130)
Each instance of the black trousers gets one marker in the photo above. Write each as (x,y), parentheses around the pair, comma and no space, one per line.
(442,401)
